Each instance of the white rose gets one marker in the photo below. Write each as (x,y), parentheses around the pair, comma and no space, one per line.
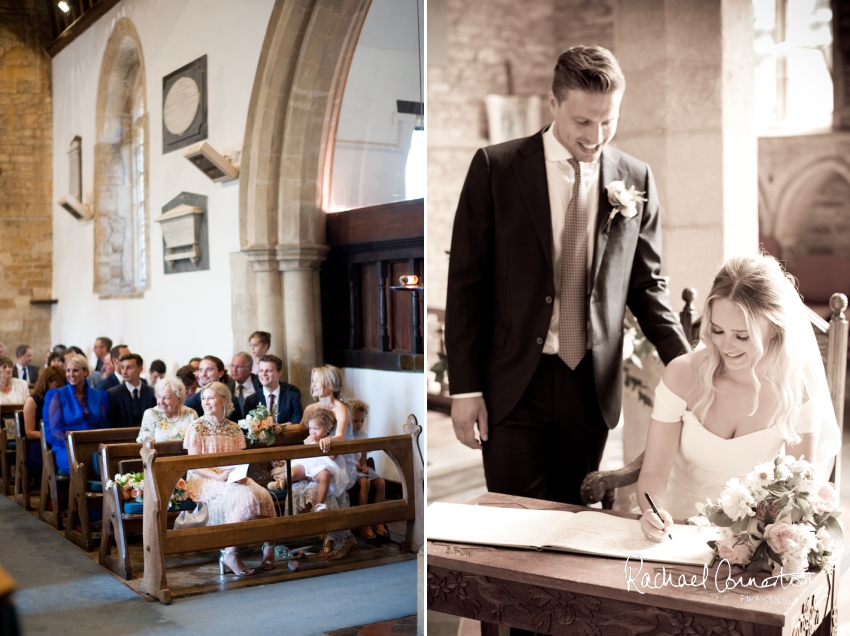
(737,501)
(825,541)
(806,538)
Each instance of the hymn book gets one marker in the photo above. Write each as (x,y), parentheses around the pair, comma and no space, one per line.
(585,532)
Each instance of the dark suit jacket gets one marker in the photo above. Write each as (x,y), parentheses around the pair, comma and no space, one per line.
(32,373)
(121,405)
(289,406)
(501,281)
(112,381)
(237,413)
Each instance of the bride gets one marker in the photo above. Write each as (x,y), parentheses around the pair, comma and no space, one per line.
(754,387)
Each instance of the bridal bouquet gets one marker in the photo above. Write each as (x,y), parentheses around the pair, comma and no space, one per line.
(260,426)
(779,519)
(132,488)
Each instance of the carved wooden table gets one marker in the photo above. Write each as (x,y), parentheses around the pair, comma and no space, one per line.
(570,594)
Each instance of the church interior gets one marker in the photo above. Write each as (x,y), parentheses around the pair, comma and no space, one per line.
(179,177)
(740,108)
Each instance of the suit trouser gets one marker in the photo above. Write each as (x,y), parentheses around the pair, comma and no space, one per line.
(553,437)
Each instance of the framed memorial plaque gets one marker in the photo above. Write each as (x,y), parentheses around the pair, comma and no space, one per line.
(185,234)
(184,106)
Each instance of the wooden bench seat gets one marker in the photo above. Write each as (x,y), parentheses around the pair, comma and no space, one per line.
(83,446)
(22,471)
(163,472)
(118,525)
(53,486)
(7,454)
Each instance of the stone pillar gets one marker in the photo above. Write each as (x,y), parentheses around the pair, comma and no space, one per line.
(302,311)
(269,295)
(688,112)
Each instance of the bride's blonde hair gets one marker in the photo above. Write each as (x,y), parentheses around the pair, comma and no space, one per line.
(760,288)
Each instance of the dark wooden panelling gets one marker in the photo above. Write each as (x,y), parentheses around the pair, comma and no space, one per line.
(379,223)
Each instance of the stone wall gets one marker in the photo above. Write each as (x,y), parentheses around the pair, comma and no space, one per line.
(482,38)
(26,230)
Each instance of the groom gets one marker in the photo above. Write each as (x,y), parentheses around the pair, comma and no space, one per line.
(542,268)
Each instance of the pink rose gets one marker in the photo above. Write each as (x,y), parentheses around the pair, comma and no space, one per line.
(825,500)
(780,537)
(739,554)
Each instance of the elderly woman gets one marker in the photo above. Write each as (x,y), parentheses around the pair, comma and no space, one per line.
(12,390)
(49,378)
(169,419)
(227,502)
(74,407)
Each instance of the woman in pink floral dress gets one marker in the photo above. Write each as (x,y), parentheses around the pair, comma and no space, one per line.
(227,502)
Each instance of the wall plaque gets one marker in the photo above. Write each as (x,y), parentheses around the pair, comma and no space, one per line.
(185,242)
(184,106)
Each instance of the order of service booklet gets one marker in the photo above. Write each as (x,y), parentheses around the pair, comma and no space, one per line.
(585,532)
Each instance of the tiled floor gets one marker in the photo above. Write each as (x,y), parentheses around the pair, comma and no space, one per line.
(406,625)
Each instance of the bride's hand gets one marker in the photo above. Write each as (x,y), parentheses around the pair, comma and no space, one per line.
(653,528)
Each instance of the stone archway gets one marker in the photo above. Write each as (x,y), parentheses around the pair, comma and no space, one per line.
(121,86)
(286,162)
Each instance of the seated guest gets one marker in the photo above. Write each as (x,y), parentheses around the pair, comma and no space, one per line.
(129,400)
(49,378)
(155,371)
(101,349)
(56,359)
(244,383)
(168,421)
(187,376)
(195,363)
(74,407)
(12,390)
(276,395)
(260,341)
(24,369)
(94,377)
(116,378)
(227,502)
(367,478)
(211,370)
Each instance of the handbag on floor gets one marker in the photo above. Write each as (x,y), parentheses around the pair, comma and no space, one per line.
(199,517)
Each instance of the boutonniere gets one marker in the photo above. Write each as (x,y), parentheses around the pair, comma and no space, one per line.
(622,200)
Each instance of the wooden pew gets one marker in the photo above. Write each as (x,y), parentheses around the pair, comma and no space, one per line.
(51,485)
(22,472)
(119,525)
(82,447)
(7,455)
(162,473)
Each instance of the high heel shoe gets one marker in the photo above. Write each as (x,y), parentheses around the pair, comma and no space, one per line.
(268,559)
(223,567)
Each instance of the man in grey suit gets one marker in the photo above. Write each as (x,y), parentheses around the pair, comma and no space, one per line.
(548,250)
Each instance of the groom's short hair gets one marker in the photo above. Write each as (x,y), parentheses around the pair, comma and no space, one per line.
(592,69)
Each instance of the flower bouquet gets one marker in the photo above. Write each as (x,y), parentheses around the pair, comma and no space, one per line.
(781,519)
(260,426)
(132,487)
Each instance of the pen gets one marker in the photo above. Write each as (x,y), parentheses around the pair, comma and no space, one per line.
(655,510)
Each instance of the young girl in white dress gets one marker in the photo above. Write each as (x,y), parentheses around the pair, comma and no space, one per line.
(328,471)
(754,387)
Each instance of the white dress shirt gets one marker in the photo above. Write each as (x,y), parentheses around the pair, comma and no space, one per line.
(275,393)
(247,388)
(560,178)
(132,388)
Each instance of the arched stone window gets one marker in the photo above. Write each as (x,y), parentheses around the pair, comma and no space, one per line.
(122,237)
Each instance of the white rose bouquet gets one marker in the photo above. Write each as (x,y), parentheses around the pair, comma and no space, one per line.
(779,519)
(624,201)
(260,426)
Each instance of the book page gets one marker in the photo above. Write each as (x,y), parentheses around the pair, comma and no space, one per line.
(487,525)
(240,471)
(607,535)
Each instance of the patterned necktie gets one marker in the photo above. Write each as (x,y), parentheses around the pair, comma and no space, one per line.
(271,403)
(241,397)
(572,317)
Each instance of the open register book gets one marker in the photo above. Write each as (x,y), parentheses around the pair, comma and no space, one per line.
(585,532)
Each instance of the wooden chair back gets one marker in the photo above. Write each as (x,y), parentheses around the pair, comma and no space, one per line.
(599,486)
(22,472)
(53,487)
(7,454)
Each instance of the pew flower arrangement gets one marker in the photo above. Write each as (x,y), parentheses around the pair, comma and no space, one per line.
(132,488)
(260,426)
(781,519)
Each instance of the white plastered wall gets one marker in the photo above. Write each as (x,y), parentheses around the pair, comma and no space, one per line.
(181,315)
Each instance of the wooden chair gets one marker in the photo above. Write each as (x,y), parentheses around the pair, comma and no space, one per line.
(52,485)
(7,453)
(83,500)
(22,471)
(599,486)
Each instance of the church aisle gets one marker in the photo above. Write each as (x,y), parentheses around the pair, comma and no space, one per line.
(62,591)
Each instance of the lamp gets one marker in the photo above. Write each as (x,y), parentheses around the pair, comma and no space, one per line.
(211,163)
(410,284)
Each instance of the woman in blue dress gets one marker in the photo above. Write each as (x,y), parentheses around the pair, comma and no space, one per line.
(74,407)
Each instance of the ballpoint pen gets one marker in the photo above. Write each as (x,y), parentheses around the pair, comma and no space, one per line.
(655,510)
